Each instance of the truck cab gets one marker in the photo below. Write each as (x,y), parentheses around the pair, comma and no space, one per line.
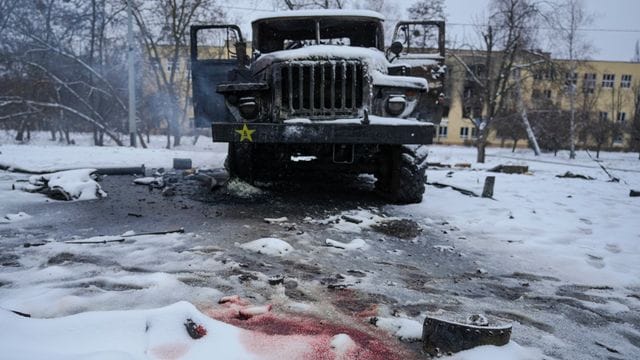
(320,85)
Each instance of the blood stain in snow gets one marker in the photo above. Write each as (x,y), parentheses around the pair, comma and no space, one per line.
(170,351)
(311,337)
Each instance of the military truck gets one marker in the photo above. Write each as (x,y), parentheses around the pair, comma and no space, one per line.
(320,92)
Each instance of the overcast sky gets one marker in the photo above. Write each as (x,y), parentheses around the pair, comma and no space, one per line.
(613,34)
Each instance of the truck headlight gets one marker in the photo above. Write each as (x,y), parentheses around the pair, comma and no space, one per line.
(248,107)
(396,104)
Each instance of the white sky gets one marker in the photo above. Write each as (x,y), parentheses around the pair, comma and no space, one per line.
(607,45)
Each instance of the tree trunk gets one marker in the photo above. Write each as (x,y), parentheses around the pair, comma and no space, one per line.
(20,133)
(481,151)
(515,144)
(142,143)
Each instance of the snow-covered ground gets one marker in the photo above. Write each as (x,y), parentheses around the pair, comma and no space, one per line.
(581,231)
(122,299)
(41,154)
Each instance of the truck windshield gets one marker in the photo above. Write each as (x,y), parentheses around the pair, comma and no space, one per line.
(282,34)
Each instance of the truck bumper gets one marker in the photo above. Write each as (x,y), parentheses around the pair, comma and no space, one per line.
(324,133)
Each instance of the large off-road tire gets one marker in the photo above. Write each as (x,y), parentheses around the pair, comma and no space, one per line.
(402,177)
(239,162)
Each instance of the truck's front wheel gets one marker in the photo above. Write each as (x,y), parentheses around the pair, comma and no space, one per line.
(402,173)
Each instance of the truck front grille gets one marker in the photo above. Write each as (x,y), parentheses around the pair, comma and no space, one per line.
(321,88)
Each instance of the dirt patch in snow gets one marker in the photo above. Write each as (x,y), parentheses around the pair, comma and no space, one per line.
(400,228)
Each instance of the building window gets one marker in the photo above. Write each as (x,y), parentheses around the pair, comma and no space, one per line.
(589,83)
(603,116)
(474,132)
(618,139)
(547,94)
(442,131)
(464,133)
(622,117)
(571,79)
(608,80)
(625,81)
(545,74)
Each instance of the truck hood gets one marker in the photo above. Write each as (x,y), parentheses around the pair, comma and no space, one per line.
(374,58)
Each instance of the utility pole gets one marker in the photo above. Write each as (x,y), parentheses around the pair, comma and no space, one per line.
(132,86)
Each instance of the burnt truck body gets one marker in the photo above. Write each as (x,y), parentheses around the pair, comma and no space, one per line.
(320,86)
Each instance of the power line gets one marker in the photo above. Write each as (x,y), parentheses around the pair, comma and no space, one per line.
(556,29)
(464,24)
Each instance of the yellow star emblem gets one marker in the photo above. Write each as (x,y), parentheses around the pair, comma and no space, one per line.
(245,133)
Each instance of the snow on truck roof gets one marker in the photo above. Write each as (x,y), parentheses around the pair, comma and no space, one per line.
(322,13)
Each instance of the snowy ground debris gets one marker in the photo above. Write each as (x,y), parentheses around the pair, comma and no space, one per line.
(67,185)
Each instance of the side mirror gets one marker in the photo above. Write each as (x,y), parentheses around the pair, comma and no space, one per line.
(396,48)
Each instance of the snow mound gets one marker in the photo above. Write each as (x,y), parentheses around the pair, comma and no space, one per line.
(342,344)
(355,244)
(269,246)
(14,217)
(77,184)
(403,328)
(135,334)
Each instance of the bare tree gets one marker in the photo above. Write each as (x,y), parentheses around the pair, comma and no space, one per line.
(427,10)
(164,29)
(508,34)
(567,19)
(552,128)
(508,127)
(66,80)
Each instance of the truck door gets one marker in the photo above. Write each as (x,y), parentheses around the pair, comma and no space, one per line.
(218,54)
(423,53)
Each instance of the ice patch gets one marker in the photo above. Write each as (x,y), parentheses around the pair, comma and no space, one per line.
(268,246)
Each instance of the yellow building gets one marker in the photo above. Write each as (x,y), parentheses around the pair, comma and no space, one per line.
(607,89)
